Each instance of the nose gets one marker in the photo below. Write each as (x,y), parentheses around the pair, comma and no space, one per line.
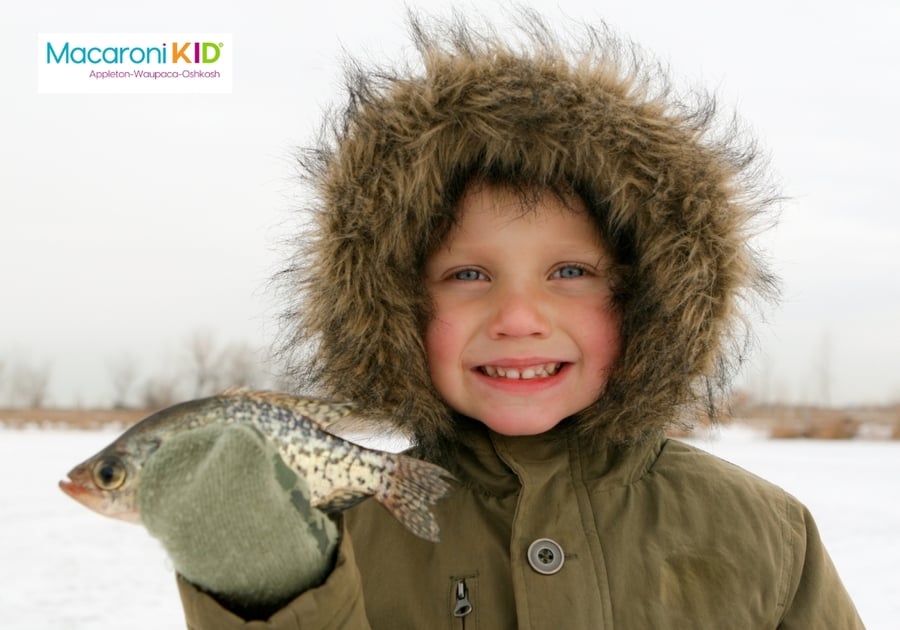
(519,312)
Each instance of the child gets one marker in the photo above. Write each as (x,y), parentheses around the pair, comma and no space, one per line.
(532,261)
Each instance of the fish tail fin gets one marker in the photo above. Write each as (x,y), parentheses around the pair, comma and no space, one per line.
(413,488)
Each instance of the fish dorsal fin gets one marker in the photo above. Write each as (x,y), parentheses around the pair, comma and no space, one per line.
(322,412)
(235,390)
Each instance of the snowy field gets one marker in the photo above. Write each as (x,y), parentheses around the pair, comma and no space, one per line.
(62,566)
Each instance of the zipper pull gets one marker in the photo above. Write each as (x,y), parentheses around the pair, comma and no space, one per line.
(463,607)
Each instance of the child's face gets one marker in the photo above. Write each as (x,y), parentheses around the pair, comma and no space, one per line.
(523,332)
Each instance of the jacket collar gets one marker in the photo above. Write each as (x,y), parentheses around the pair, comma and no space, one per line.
(498,465)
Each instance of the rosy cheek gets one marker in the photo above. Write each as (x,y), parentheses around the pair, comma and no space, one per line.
(611,338)
(438,348)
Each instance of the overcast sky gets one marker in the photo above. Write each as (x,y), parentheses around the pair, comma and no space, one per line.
(131,221)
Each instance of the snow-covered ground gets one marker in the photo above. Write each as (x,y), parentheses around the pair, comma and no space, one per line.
(62,566)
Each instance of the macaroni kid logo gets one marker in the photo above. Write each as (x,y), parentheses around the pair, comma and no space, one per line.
(203,52)
(129,63)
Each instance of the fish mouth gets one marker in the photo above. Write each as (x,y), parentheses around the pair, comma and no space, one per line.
(74,490)
(80,492)
(522,372)
(95,501)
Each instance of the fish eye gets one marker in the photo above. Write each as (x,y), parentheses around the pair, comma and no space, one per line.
(109,473)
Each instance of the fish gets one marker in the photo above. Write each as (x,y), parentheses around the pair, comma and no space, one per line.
(339,473)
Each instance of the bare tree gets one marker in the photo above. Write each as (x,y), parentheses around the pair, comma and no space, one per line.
(123,373)
(159,393)
(206,369)
(29,384)
(762,383)
(205,363)
(241,367)
(823,370)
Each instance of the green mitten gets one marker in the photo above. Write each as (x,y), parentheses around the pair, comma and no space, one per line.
(235,520)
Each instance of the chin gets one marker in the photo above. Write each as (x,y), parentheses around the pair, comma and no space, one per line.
(518,426)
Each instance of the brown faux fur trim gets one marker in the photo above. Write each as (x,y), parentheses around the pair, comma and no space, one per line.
(674,191)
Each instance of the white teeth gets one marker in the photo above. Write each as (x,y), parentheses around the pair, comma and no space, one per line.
(525,374)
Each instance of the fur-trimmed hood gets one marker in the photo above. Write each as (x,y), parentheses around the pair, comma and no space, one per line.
(674,192)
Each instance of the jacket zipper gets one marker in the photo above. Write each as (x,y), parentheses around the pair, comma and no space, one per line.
(462,607)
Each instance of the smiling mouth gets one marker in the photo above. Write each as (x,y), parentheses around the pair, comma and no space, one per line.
(542,370)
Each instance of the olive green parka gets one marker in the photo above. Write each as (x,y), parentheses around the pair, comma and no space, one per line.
(601,522)
(655,536)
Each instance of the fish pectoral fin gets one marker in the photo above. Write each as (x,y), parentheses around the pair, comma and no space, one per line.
(340,500)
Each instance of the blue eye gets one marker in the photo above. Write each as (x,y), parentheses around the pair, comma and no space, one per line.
(569,271)
(468,274)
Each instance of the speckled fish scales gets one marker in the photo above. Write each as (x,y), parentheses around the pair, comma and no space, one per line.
(339,473)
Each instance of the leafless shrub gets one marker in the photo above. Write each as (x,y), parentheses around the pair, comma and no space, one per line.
(787,431)
(205,368)
(29,384)
(844,428)
(204,363)
(123,373)
(241,367)
(159,393)
(213,367)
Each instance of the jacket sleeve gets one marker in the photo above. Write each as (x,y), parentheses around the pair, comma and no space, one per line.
(337,604)
(816,597)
